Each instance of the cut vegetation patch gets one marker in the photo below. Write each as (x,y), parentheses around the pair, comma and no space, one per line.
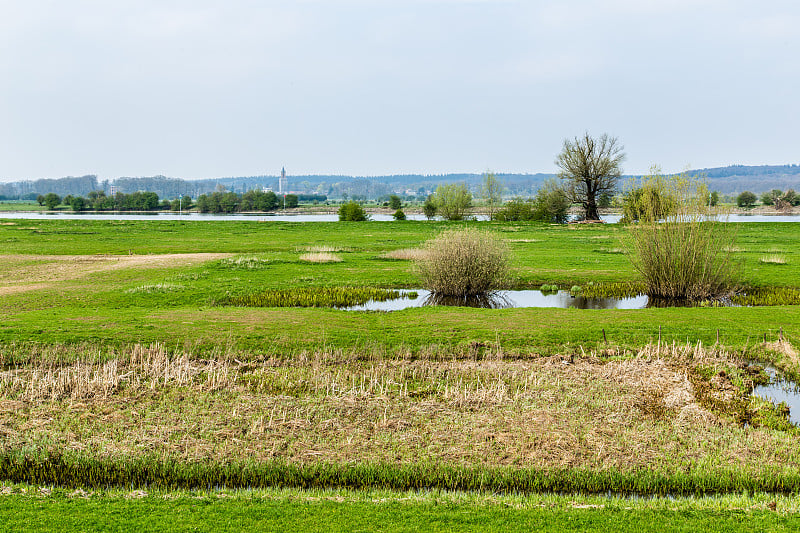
(406,254)
(323,248)
(245,263)
(156,288)
(320,257)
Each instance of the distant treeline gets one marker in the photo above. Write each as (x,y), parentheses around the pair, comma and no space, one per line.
(231,202)
(98,201)
(729,180)
(217,202)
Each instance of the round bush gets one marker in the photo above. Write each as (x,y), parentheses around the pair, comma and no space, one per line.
(352,212)
(463,262)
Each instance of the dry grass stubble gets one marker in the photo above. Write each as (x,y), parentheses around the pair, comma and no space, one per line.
(332,406)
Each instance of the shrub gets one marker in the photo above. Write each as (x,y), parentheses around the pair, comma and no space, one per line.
(51,200)
(686,256)
(551,203)
(463,262)
(290,201)
(429,207)
(768,198)
(399,215)
(746,199)
(650,202)
(515,210)
(352,212)
(452,201)
(78,203)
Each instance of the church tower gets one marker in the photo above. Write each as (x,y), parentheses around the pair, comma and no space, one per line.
(283,183)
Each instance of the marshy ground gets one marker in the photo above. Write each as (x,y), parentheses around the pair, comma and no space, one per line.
(666,408)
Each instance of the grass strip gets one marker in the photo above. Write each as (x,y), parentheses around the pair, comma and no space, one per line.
(20,513)
(80,470)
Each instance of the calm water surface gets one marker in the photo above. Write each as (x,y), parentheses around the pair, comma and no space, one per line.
(508,299)
(261,217)
(781,390)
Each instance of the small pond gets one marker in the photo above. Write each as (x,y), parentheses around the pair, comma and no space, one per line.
(507,299)
(781,390)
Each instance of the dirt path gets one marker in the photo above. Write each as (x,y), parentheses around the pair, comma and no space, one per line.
(20,273)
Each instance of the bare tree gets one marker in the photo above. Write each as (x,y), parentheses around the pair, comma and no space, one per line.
(591,167)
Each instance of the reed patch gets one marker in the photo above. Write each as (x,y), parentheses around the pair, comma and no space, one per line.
(759,296)
(314,297)
(773,259)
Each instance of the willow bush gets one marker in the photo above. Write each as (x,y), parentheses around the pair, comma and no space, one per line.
(685,253)
(463,262)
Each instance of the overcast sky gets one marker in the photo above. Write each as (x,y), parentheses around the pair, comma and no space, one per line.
(200,88)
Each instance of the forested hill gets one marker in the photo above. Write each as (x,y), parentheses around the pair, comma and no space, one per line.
(730,179)
(738,178)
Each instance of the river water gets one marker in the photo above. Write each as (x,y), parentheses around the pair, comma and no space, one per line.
(266,217)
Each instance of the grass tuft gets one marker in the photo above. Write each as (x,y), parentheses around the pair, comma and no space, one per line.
(245,263)
(773,259)
(322,248)
(156,288)
(406,254)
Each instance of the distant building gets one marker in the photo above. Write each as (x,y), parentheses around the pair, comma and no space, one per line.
(283,183)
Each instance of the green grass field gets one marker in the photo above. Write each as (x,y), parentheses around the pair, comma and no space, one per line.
(34,509)
(124,282)
(115,351)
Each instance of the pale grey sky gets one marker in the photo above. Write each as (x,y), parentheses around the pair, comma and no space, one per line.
(198,88)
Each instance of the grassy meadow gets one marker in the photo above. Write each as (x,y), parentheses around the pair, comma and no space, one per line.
(124,365)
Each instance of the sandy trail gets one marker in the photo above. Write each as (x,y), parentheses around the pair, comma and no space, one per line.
(20,273)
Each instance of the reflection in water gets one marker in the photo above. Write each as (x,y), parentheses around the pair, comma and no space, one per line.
(492,300)
(507,299)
